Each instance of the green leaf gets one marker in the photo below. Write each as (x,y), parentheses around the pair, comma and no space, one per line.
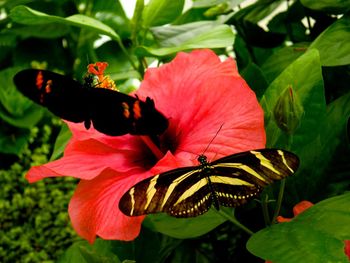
(51,30)
(255,78)
(12,141)
(61,142)
(207,3)
(184,227)
(304,76)
(83,252)
(329,6)
(316,235)
(189,36)
(161,12)
(16,109)
(338,113)
(26,15)
(333,43)
(257,11)
(281,59)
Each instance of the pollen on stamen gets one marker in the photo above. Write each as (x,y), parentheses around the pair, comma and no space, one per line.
(98,69)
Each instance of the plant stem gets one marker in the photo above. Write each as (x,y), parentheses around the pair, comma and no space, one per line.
(279,200)
(282,186)
(265,210)
(233,219)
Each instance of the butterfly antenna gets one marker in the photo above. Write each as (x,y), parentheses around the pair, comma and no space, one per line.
(216,134)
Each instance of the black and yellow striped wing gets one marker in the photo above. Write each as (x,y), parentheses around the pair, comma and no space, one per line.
(191,191)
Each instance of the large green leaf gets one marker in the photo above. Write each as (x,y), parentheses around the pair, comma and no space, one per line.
(304,77)
(83,252)
(161,12)
(26,15)
(184,227)
(281,59)
(329,6)
(333,43)
(51,30)
(316,235)
(173,39)
(302,80)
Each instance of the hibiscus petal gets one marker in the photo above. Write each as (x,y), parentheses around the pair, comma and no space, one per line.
(199,94)
(94,210)
(87,159)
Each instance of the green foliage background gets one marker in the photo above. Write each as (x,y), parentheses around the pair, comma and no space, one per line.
(298,65)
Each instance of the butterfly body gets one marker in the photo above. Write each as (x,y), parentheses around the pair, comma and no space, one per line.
(110,112)
(190,191)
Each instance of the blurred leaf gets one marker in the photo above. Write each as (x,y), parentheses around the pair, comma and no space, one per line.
(192,15)
(257,11)
(12,141)
(242,51)
(333,43)
(49,54)
(111,13)
(206,3)
(218,36)
(161,12)
(176,35)
(328,6)
(16,109)
(316,235)
(61,142)
(26,15)
(50,30)
(7,39)
(118,63)
(184,227)
(255,78)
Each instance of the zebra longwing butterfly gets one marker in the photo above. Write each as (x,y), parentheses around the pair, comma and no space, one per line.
(111,112)
(191,191)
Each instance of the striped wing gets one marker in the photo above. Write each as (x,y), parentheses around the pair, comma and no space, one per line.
(191,191)
(162,192)
(239,177)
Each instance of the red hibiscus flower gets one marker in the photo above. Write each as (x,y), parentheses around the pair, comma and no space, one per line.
(301,207)
(198,93)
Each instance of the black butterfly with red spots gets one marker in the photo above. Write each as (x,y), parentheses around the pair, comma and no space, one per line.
(111,112)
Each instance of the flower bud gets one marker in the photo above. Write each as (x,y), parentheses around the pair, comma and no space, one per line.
(288,111)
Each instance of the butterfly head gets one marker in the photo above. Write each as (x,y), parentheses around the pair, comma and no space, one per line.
(202,159)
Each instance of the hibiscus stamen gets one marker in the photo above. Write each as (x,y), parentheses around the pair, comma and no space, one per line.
(98,69)
(151,145)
